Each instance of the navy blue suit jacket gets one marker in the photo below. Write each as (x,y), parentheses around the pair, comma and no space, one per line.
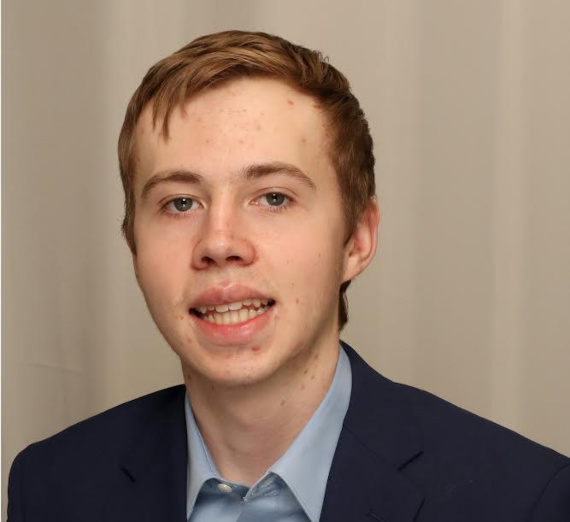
(403,455)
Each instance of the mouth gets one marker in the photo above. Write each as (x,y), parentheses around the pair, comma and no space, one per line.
(233,313)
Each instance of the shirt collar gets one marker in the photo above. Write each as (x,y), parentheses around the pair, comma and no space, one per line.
(305,466)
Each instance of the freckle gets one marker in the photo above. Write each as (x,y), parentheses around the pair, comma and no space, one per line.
(291,102)
(283,403)
(297,301)
(312,377)
(306,371)
(208,140)
(257,126)
(316,357)
(241,142)
(303,140)
(303,387)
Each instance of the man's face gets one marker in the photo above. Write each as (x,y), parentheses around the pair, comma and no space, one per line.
(240,233)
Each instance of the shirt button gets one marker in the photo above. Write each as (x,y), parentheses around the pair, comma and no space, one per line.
(224,488)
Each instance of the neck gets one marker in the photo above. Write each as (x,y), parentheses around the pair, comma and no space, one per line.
(248,428)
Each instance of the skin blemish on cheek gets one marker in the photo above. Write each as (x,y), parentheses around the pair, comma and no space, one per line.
(255,348)
(290,102)
(297,301)
(283,402)
(257,126)
(303,387)
(306,371)
(312,377)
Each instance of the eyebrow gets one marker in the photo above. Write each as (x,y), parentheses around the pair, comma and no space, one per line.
(180,176)
(255,171)
(260,170)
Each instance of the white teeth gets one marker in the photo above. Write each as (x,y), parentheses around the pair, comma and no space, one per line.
(234,313)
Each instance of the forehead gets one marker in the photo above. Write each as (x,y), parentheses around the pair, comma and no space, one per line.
(249,120)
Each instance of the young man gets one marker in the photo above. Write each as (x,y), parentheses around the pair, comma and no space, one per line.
(248,173)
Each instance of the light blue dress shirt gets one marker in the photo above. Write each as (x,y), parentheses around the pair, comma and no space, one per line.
(293,489)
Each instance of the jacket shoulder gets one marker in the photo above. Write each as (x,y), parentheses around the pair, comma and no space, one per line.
(104,434)
(470,457)
(61,477)
(465,466)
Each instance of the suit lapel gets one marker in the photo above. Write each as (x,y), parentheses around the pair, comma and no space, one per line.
(152,483)
(377,441)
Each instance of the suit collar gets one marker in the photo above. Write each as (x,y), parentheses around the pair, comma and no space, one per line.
(154,468)
(378,440)
(366,481)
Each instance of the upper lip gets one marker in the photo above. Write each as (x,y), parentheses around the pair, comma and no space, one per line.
(226,295)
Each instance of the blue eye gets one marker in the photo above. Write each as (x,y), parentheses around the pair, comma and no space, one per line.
(275,199)
(181,204)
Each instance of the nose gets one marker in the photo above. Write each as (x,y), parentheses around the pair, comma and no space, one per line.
(222,241)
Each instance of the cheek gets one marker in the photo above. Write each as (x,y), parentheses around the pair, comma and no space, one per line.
(159,268)
(311,270)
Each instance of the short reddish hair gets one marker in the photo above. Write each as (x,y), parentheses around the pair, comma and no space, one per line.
(212,59)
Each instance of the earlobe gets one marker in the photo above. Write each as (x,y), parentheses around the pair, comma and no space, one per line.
(361,246)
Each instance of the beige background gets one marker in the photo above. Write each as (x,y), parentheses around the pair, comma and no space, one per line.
(469,104)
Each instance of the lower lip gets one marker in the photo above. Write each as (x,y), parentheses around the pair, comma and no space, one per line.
(233,334)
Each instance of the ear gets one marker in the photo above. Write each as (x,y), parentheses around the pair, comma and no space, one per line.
(361,247)
(135,265)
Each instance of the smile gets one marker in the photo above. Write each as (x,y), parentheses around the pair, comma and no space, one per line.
(233,313)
